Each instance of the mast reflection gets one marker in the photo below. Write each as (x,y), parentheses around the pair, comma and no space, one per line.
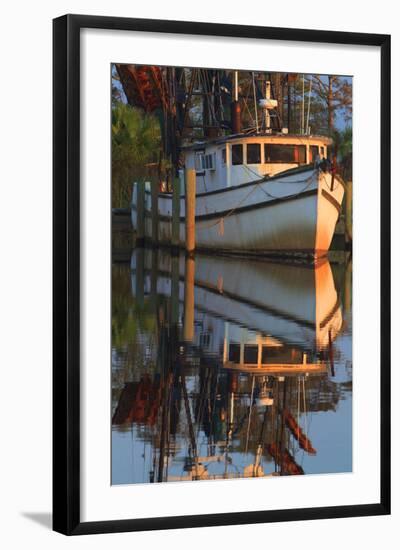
(222,365)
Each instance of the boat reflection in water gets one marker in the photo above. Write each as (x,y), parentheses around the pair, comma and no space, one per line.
(228,368)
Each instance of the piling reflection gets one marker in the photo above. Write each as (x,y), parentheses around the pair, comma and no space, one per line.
(227,368)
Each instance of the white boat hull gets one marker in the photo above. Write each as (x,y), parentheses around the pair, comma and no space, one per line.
(294,303)
(295,212)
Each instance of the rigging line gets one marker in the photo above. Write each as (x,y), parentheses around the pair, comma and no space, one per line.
(255,101)
(212,99)
(245,99)
(327,184)
(221,106)
(214,401)
(248,110)
(308,183)
(266,179)
(251,405)
(204,85)
(308,107)
(291,182)
(323,174)
(256,185)
(207,96)
(298,409)
(202,400)
(231,211)
(189,419)
(228,432)
(305,407)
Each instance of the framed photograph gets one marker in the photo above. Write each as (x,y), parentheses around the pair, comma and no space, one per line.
(221,262)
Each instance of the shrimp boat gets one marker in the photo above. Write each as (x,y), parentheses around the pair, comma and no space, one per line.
(268,317)
(264,192)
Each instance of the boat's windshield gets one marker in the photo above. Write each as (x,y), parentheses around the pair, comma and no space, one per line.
(275,152)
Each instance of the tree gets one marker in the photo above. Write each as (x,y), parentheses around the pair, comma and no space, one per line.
(334,93)
(344,144)
(136,144)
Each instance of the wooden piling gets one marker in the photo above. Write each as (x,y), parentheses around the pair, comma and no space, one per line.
(140,207)
(154,276)
(330,349)
(175,290)
(188,317)
(348,287)
(154,212)
(139,290)
(333,172)
(348,211)
(190,206)
(176,211)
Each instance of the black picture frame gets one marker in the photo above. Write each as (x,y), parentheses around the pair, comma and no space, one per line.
(66,273)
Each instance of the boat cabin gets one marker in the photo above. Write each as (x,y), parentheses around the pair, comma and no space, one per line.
(248,351)
(237,159)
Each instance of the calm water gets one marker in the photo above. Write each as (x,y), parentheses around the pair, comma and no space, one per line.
(225,368)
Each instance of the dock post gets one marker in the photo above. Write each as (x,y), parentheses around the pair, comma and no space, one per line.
(188,317)
(140,207)
(348,287)
(174,289)
(176,207)
(348,211)
(190,207)
(154,276)
(154,212)
(139,291)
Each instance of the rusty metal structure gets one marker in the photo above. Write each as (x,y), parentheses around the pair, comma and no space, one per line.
(201,103)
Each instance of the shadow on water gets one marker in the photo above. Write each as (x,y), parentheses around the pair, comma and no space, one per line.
(225,367)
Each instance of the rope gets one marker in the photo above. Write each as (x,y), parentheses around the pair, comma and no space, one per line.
(328,184)
(305,407)
(257,184)
(298,408)
(320,171)
(230,211)
(308,183)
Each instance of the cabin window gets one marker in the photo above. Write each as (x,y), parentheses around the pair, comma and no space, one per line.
(253,153)
(208,161)
(270,353)
(223,155)
(199,162)
(313,153)
(321,152)
(237,154)
(251,354)
(205,339)
(275,152)
(204,162)
(234,353)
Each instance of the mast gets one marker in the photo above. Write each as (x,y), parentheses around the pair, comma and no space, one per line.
(308,107)
(302,110)
(255,101)
(235,105)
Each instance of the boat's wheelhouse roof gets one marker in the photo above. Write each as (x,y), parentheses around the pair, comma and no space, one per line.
(260,138)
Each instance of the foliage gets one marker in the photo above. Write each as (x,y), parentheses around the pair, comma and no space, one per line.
(129,319)
(331,98)
(334,93)
(343,142)
(136,143)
